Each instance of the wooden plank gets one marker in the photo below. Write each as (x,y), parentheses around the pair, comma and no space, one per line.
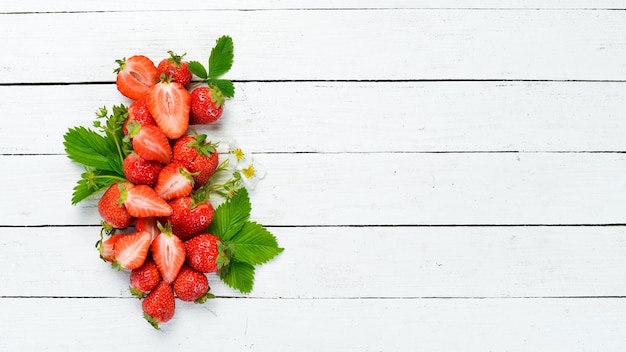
(161,5)
(349,262)
(415,117)
(326,44)
(314,325)
(372,189)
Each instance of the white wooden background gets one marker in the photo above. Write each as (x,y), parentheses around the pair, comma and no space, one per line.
(444,175)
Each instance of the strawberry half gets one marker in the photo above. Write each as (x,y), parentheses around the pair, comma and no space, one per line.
(169,103)
(148,224)
(150,143)
(168,252)
(106,248)
(174,181)
(131,250)
(135,76)
(141,201)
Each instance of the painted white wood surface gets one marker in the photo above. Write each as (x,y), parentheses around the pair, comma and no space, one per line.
(416,151)
(397,44)
(390,116)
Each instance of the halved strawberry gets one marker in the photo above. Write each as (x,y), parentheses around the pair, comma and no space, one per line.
(142,201)
(131,250)
(135,76)
(168,252)
(106,247)
(174,181)
(148,224)
(150,143)
(169,103)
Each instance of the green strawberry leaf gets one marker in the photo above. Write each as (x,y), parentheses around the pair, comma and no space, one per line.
(254,244)
(231,215)
(197,69)
(221,59)
(88,147)
(225,86)
(239,276)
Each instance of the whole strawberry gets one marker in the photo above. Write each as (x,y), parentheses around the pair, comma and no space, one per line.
(191,285)
(112,212)
(159,305)
(198,155)
(207,105)
(140,171)
(203,252)
(190,216)
(144,279)
(138,111)
(176,68)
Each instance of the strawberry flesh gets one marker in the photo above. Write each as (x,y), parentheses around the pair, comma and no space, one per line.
(169,103)
(168,251)
(142,201)
(131,250)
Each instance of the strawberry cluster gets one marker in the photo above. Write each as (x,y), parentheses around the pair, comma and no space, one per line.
(156,180)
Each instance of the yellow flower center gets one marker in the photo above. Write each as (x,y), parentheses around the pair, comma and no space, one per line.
(238,154)
(249,171)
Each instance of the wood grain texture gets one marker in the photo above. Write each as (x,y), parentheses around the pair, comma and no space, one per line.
(349,262)
(357,116)
(327,44)
(314,325)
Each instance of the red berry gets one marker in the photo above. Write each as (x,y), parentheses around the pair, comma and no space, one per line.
(141,201)
(159,305)
(150,143)
(111,210)
(202,252)
(190,217)
(175,68)
(169,104)
(191,285)
(140,171)
(131,250)
(207,105)
(135,76)
(174,181)
(168,252)
(145,278)
(198,155)
(138,111)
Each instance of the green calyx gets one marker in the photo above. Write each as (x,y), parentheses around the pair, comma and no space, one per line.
(175,59)
(216,95)
(152,321)
(121,65)
(201,144)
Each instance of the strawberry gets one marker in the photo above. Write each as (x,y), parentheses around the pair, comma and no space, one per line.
(159,305)
(131,250)
(138,111)
(174,181)
(169,104)
(140,171)
(148,224)
(191,285)
(142,201)
(168,252)
(106,248)
(198,155)
(111,210)
(144,279)
(203,252)
(150,143)
(135,76)
(174,68)
(190,216)
(207,105)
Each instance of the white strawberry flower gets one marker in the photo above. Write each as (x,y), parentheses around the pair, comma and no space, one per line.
(251,174)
